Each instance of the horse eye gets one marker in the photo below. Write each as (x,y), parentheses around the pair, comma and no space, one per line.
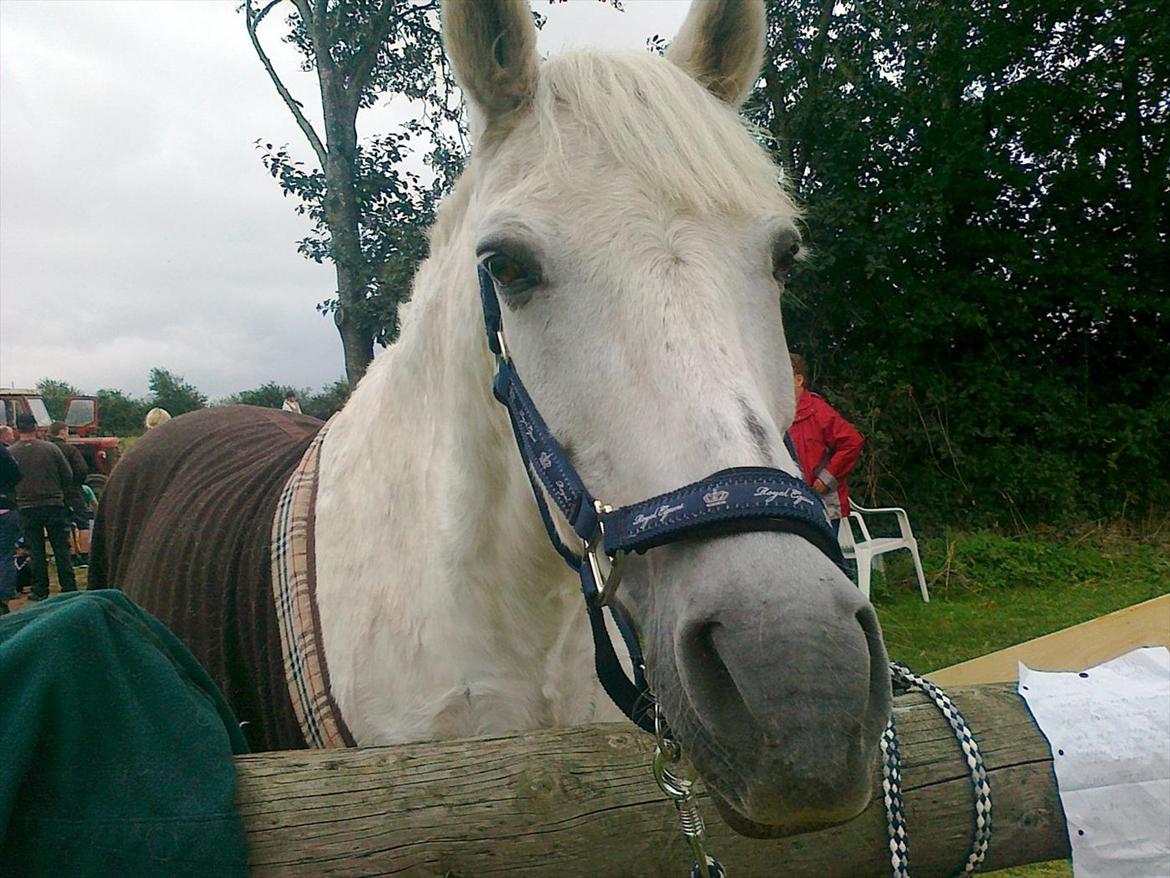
(510,274)
(784,257)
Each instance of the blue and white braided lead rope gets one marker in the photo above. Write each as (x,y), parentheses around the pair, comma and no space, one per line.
(904,678)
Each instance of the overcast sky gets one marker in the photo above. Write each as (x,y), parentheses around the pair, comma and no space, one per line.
(138,227)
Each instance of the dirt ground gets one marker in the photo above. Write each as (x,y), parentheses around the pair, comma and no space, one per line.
(80,573)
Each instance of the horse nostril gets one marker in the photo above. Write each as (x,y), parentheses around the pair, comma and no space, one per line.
(698,646)
(705,674)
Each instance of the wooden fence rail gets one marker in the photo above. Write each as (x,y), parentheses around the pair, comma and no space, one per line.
(581,802)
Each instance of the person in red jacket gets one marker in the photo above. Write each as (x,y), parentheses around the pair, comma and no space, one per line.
(827,446)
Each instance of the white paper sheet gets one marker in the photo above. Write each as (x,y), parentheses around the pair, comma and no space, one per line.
(1109,729)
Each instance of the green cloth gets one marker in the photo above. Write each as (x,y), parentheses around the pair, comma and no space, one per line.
(115,747)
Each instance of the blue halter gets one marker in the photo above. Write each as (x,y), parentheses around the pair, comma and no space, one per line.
(729,501)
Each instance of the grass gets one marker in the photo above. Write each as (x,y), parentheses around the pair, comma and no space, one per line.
(989,591)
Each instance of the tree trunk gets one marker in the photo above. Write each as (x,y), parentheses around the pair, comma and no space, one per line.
(343,217)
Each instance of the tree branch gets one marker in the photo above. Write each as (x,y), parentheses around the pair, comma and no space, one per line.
(313,16)
(364,63)
(263,12)
(251,20)
(778,128)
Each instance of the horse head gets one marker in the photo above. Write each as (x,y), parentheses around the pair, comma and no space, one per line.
(638,237)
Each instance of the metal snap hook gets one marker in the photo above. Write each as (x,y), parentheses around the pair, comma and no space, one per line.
(679,788)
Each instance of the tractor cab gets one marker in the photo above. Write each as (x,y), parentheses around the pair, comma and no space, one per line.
(14,401)
(81,415)
(100,452)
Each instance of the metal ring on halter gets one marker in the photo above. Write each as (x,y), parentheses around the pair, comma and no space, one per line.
(664,743)
(503,354)
(607,584)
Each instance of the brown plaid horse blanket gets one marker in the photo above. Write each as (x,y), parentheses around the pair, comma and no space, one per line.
(207,524)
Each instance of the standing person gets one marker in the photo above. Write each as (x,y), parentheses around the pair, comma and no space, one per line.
(83,521)
(291,403)
(74,500)
(40,497)
(9,524)
(59,436)
(827,446)
(7,436)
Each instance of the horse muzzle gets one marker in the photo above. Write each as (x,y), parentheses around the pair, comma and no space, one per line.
(769,665)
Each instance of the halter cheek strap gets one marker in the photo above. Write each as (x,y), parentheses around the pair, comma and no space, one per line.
(729,501)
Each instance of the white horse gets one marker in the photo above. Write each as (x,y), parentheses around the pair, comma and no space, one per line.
(639,237)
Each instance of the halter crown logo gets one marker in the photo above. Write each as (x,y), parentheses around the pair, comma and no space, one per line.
(715,497)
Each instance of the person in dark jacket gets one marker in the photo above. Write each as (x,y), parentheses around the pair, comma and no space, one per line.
(827,446)
(9,525)
(59,436)
(75,501)
(40,497)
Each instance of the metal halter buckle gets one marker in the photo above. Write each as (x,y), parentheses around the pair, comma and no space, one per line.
(592,549)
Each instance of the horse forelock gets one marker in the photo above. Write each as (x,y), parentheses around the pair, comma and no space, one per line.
(633,112)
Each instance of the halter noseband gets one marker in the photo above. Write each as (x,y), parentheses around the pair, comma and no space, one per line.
(729,501)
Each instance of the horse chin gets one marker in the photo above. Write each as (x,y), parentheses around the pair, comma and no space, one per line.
(796,824)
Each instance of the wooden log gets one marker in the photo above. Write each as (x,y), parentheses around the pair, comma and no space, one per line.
(1070,649)
(581,802)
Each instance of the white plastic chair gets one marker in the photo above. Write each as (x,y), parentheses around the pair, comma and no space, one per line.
(866,549)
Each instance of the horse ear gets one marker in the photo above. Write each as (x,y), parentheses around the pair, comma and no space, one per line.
(721,44)
(492,48)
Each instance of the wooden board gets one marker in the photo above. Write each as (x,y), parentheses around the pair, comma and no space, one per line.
(1072,649)
(580,802)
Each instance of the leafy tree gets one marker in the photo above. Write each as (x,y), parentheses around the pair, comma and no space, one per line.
(56,395)
(986,199)
(369,213)
(331,398)
(119,414)
(270,395)
(171,392)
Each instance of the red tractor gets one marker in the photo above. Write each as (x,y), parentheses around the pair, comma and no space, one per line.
(81,414)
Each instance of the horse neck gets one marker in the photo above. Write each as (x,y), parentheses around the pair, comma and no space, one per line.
(426,522)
